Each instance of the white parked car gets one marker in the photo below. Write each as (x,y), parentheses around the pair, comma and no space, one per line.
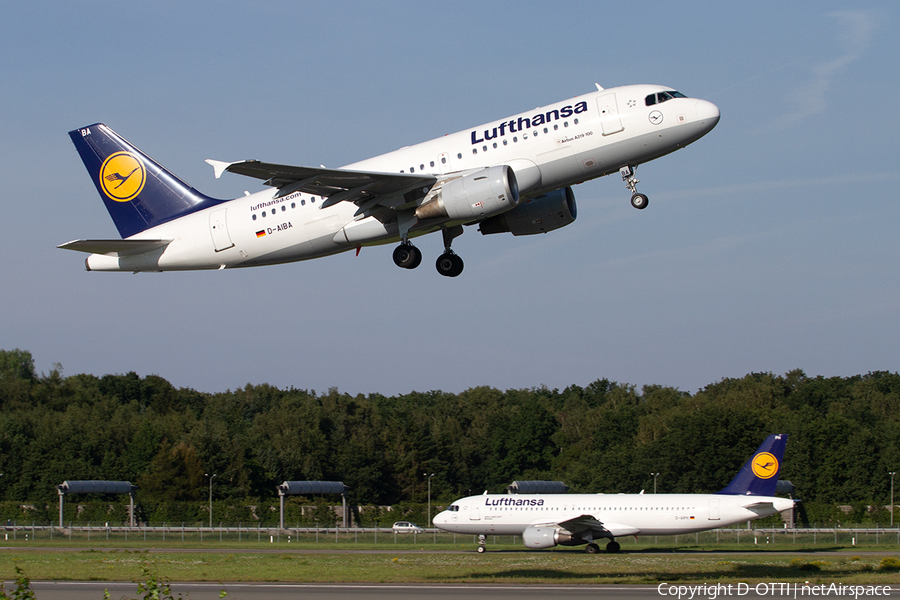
(406,527)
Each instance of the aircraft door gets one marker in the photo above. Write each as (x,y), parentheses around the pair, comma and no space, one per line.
(219,230)
(713,509)
(610,121)
(475,514)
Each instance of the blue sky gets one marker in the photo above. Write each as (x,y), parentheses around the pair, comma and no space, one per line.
(771,244)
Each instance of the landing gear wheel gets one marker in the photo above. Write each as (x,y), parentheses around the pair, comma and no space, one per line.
(407,256)
(639,201)
(592,548)
(481,549)
(449,264)
(481,541)
(613,547)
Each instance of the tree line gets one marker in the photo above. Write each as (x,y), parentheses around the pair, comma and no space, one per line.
(605,437)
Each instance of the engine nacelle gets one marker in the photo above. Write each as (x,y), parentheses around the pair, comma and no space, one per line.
(538,215)
(488,192)
(547,537)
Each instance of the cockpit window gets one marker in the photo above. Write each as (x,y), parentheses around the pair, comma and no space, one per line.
(662,97)
(453,508)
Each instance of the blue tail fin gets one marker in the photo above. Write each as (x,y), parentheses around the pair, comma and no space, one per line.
(759,475)
(138,192)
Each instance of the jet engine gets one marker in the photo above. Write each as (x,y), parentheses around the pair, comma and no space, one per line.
(547,537)
(538,215)
(482,194)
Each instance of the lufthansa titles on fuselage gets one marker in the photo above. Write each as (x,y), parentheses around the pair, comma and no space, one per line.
(513,501)
(523,123)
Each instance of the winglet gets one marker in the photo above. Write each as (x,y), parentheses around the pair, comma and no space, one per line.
(759,475)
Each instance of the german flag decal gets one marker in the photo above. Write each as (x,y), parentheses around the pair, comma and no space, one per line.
(261,233)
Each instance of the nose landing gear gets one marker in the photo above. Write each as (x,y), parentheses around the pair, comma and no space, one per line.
(639,201)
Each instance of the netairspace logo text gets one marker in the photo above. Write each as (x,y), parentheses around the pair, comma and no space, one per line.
(775,590)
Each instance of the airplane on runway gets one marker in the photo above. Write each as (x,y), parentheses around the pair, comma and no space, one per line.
(508,176)
(547,520)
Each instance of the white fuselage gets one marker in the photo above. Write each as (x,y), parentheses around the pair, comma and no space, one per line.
(622,514)
(548,148)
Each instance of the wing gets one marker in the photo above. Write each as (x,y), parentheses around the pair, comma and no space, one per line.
(364,188)
(588,524)
(115,247)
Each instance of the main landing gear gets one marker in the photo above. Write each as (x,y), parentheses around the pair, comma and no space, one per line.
(639,201)
(611,548)
(407,256)
(448,264)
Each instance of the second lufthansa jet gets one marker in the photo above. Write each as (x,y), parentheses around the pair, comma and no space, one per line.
(547,520)
(509,176)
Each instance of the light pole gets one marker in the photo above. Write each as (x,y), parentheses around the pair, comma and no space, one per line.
(654,481)
(210,497)
(429,496)
(892,473)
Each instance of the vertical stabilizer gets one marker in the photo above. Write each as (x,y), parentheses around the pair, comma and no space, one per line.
(138,192)
(759,475)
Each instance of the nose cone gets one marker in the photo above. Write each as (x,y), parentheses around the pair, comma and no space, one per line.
(707,114)
(440,519)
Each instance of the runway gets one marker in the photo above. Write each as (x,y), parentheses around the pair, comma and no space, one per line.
(93,590)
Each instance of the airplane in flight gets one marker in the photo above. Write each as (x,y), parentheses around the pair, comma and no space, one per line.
(547,520)
(508,176)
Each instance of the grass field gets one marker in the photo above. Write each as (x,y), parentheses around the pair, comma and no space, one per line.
(452,563)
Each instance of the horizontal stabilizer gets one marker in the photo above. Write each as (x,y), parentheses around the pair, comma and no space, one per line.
(115,247)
